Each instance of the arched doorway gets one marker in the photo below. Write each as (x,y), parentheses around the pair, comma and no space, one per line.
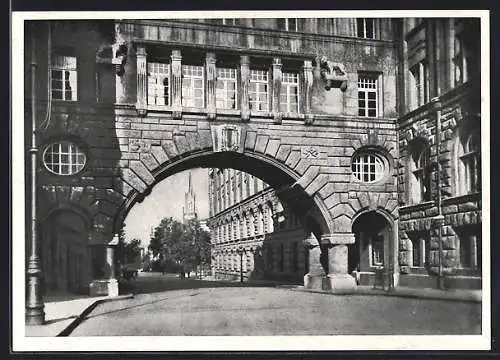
(370,255)
(65,253)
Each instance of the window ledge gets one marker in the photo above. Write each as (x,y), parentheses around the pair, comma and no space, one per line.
(230,112)
(416,207)
(459,199)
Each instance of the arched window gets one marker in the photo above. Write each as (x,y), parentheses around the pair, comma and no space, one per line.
(270,219)
(244,225)
(470,159)
(251,222)
(260,222)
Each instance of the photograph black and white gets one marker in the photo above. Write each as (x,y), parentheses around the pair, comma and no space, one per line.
(235,177)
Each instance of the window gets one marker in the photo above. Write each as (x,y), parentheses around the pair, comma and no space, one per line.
(259,90)
(422,174)
(64,158)
(420,80)
(225,90)
(471,160)
(225,21)
(158,84)
(288,24)
(365,28)
(459,62)
(367,96)
(377,250)
(470,247)
(192,86)
(419,248)
(63,75)
(368,167)
(289,93)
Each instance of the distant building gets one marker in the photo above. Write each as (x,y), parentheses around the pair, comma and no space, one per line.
(254,235)
(189,208)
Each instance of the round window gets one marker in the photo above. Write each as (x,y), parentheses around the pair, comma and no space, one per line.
(64,158)
(368,167)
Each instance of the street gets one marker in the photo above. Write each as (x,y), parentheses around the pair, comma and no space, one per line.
(167,306)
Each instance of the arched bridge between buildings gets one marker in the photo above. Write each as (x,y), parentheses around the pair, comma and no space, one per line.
(309,165)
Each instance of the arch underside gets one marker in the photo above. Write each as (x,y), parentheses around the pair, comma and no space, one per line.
(277,175)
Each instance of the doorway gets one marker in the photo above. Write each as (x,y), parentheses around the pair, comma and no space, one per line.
(371,251)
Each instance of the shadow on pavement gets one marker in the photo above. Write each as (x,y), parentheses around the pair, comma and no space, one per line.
(147,283)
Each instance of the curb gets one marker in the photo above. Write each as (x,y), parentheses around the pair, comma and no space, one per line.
(80,318)
(469,298)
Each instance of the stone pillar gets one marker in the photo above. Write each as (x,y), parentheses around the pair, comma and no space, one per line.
(112,281)
(142,80)
(277,79)
(315,277)
(245,78)
(306,100)
(211,80)
(176,84)
(339,281)
(103,281)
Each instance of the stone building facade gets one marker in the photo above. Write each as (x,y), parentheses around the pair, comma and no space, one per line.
(253,235)
(330,113)
(439,70)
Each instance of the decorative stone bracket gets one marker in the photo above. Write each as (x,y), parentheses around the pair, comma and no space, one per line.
(119,60)
(311,241)
(417,130)
(333,74)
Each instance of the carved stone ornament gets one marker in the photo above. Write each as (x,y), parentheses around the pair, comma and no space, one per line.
(309,152)
(139,145)
(333,74)
(226,138)
(415,131)
(119,58)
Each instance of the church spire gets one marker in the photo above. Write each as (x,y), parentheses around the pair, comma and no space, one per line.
(189,209)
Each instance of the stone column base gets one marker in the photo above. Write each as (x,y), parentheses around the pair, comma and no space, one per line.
(314,282)
(107,287)
(341,283)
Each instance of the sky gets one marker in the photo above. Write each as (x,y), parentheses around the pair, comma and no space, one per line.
(167,199)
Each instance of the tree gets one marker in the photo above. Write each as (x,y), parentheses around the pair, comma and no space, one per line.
(186,245)
(132,251)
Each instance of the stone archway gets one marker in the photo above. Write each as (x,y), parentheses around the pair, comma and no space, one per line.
(372,254)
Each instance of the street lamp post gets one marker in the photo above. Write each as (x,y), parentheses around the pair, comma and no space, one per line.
(35,314)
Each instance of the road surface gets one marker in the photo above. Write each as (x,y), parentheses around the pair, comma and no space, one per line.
(169,306)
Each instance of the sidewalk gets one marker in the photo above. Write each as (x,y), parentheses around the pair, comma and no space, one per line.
(63,312)
(418,293)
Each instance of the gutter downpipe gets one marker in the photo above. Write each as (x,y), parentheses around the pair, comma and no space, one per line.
(439,219)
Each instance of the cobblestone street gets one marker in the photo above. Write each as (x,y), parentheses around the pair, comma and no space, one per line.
(193,307)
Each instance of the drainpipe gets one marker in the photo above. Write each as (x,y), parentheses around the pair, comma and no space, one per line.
(439,219)
(35,314)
